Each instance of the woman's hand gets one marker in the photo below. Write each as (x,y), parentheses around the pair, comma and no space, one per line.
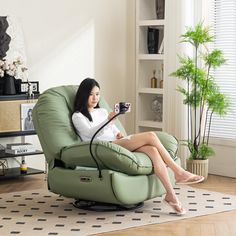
(111,115)
(119,135)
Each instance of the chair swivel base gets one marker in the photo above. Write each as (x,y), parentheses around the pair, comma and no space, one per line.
(103,207)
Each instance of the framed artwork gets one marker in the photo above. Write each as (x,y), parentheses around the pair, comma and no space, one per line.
(24,87)
(26,116)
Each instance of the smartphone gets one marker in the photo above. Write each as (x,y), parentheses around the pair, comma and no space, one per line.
(122,107)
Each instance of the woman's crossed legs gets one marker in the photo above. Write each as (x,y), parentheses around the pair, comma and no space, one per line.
(149,144)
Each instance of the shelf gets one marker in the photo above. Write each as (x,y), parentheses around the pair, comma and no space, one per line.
(151,90)
(8,155)
(150,102)
(16,133)
(150,123)
(12,128)
(151,23)
(18,97)
(15,172)
(151,56)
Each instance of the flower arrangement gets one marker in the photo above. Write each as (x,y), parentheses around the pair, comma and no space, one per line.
(14,68)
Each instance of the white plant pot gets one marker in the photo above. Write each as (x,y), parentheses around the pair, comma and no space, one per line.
(198,167)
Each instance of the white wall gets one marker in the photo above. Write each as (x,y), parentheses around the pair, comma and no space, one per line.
(130,66)
(67,41)
(181,15)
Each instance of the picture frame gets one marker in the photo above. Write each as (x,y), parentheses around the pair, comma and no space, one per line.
(26,116)
(24,87)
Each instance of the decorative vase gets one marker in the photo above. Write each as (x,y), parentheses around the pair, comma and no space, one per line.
(1,85)
(161,83)
(160,9)
(152,40)
(9,85)
(154,80)
(198,167)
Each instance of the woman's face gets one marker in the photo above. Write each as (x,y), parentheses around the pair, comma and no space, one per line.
(93,98)
(30,114)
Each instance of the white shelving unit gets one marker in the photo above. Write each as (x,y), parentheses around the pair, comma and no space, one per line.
(146,118)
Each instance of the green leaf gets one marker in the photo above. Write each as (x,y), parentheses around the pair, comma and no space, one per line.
(205,151)
(198,35)
(214,59)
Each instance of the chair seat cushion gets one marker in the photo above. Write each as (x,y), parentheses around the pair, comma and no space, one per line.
(109,156)
(114,157)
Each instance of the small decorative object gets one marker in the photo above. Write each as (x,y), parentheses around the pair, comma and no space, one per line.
(4,37)
(30,90)
(160,9)
(156,106)
(152,40)
(23,167)
(161,83)
(154,80)
(30,87)
(3,166)
(161,76)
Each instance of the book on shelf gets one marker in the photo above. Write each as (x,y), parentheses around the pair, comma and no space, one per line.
(20,151)
(15,146)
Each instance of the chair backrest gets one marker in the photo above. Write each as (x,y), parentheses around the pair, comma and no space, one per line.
(52,120)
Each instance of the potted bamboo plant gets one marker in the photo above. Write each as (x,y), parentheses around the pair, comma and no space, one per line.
(201,95)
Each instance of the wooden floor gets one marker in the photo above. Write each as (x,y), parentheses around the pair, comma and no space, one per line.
(221,224)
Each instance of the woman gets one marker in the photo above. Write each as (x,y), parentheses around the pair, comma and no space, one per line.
(88,118)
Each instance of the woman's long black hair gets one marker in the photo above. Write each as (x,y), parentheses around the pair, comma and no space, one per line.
(82,95)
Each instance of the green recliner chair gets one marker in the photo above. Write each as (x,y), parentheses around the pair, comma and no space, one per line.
(127,177)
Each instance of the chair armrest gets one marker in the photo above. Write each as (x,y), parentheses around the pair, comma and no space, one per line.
(169,142)
(108,155)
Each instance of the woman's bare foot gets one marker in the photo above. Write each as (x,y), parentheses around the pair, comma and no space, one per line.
(174,203)
(188,178)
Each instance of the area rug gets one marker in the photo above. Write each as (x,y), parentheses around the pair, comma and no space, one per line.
(40,212)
